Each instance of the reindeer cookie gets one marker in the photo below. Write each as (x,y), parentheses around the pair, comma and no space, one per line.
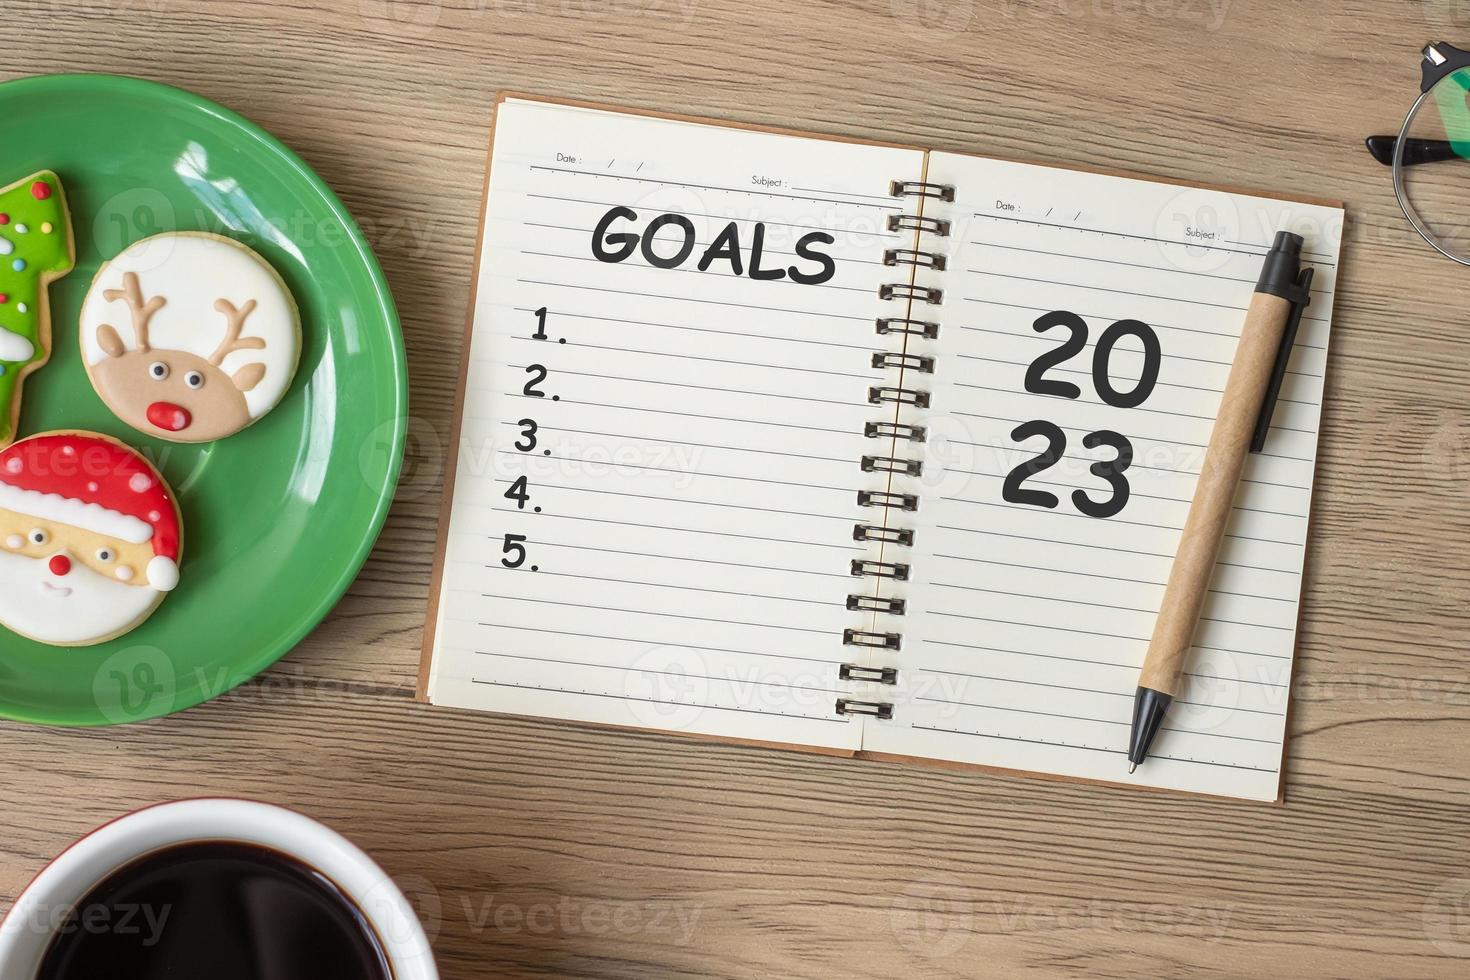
(190,337)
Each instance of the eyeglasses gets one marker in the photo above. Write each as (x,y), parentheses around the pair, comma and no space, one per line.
(1431,155)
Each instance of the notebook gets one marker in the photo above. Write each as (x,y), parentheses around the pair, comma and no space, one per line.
(864,449)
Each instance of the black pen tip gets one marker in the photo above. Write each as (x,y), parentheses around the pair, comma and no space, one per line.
(1149,707)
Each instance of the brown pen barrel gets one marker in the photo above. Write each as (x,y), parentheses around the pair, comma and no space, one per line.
(1194,564)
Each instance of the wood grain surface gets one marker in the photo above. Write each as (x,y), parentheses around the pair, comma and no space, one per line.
(537,849)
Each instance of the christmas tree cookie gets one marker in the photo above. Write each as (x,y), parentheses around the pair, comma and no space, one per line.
(36,248)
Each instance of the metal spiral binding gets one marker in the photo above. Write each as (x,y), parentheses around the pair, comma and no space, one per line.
(914,222)
(867,638)
(888,460)
(878,709)
(909,362)
(893,535)
(895,430)
(888,500)
(904,290)
(877,603)
(880,675)
(880,569)
(920,188)
(909,256)
(898,324)
(891,464)
(907,396)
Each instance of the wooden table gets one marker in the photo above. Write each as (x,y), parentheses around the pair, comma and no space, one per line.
(538,849)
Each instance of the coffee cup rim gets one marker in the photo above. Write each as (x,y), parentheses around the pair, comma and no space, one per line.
(87,861)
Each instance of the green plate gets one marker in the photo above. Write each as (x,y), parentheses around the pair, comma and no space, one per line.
(278,518)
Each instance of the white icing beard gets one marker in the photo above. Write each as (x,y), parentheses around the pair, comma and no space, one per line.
(74,609)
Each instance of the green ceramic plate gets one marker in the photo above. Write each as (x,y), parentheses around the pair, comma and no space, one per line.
(279,518)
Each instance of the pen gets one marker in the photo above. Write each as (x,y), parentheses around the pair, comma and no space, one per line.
(1246,405)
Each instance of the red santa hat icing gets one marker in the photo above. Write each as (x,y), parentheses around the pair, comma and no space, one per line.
(98,485)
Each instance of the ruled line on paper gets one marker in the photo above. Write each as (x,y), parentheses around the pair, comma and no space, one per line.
(1071,629)
(1028,683)
(1132,294)
(720,273)
(666,673)
(672,412)
(1146,524)
(702,704)
(1034,566)
(868,375)
(1086,718)
(669,585)
(690,500)
(690,530)
(1090,748)
(1080,660)
(706,561)
(645,641)
(819,190)
(727,333)
(891,206)
(687,473)
(685,384)
(1079,544)
(656,612)
(664,440)
(1111,606)
(1319,257)
(695,299)
(706,214)
(1136,265)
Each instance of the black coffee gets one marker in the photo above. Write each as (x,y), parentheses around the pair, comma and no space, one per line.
(221,911)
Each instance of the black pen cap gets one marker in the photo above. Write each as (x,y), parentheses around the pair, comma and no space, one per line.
(1282,266)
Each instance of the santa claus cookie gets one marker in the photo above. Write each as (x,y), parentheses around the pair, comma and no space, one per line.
(35,249)
(90,538)
(190,337)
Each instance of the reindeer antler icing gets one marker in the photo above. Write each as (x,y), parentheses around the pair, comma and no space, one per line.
(132,291)
(236,322)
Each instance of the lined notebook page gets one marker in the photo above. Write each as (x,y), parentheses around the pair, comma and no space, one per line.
(1028,623)
(657,475)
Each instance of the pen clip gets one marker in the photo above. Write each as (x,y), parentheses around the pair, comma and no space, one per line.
(1300,299)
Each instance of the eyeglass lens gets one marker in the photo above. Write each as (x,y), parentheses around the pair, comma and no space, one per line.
(1432,164)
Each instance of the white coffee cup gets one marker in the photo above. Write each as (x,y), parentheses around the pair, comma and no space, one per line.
(27,930)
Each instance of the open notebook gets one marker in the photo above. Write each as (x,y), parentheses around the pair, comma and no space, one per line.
(863,448)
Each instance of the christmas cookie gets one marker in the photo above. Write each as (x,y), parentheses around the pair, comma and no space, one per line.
(90,538)
(35,250)
(190,337)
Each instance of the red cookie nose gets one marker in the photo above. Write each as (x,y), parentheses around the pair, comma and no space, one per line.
(60,565)
(169,417)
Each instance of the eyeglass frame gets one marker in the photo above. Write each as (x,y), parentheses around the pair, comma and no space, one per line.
(1441,60)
